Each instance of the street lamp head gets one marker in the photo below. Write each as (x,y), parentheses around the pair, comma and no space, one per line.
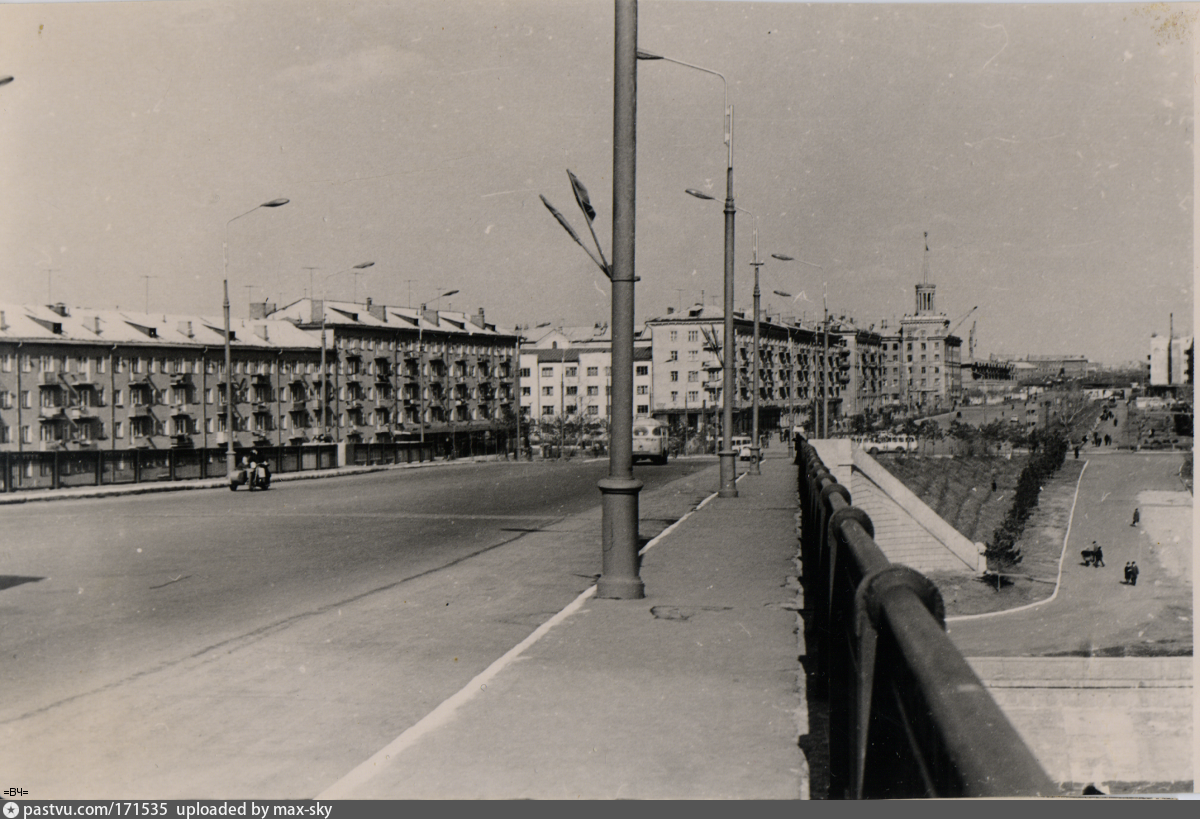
(698,194)
(781,293)
(5,80)
(646,55)
(364,265)
(275,203)
(449,293)
(782,258)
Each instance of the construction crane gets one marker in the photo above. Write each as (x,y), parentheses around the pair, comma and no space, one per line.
(961,320)
(971,343)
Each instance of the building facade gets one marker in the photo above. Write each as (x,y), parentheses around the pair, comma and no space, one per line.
(688,376)
(922,359)
(73,378)
(397,374)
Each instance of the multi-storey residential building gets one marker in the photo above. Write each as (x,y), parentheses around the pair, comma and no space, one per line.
(404,374)
(864,377)
(73,378)
(566,374)
(688,377)
(922,359)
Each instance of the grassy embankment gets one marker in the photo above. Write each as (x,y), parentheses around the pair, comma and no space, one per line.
(960,491)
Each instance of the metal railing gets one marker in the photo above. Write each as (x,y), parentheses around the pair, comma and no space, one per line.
(908,717)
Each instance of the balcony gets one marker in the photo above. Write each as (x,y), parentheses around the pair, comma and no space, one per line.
(182,442)
(48,380)
(51,413)
(179,379)
(142,441)
(81,413)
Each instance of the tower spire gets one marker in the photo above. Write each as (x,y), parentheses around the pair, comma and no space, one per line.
(925,261)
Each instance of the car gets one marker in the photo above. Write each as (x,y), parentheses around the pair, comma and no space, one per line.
(740,444)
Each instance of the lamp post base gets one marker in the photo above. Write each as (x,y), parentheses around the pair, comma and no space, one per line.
(754,457)
(728,474)
(619,567)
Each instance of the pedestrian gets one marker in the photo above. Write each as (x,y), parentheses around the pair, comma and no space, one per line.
(1127,570)
(1133,573)
(993,484)
(1097,554)
(1077,452)
(1136,517)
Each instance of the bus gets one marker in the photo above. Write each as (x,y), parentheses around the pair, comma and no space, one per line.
(650,440)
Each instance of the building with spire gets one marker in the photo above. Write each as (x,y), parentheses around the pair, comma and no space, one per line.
(922,366)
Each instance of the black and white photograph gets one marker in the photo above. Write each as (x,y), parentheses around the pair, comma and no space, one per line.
(595,400)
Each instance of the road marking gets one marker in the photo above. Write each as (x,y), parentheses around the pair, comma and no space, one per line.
(344,788)
(1057,581)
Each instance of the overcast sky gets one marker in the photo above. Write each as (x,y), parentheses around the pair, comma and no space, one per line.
(1046,149)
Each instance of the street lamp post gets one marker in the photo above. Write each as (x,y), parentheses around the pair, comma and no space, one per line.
(229,459)
(421,359)
(324,366)
(728,488)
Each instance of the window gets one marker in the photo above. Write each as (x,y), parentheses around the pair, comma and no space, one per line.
(608,371)
(672,355)
(693,335)
(694,375)
(572,372)
(547,372)
(593,390)
(26,400)
(643,409)
(643,389)
(526,391)
(6,362)
(593,410)
(593,371)
(674,375)
(524,372)
(27,436)
(548,390)
(572,390)
(547,409)
(6,400)
(693,396)
(674,397)
(642,369)
(674,335)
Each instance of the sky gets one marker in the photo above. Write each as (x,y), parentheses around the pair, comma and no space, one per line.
(1047,150)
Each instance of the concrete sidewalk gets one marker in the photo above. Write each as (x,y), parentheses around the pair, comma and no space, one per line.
(693,692)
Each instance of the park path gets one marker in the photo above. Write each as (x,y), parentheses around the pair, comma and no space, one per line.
(1094,612)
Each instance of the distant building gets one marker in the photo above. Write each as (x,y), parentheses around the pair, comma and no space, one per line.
(922,359)
(1170,360)
(566,374)
(688,385)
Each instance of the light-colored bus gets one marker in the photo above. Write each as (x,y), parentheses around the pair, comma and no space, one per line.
(650,440)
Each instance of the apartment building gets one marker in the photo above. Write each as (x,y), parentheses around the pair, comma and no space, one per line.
(76,378)
(404,374)
(688,377)
(566,373)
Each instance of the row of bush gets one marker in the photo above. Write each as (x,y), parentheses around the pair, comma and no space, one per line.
(1049,452)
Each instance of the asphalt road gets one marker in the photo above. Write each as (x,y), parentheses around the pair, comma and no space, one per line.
(1094,611)
(212,644)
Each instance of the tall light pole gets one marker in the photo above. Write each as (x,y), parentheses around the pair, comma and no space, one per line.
(619,490)
(421,359)
(728,487)
(229,463)
(324,367)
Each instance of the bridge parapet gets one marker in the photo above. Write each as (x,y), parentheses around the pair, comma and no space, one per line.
(908,715)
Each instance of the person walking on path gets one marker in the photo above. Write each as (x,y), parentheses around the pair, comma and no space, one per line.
(1127,565)
(1097,555)
(1136,517)
(1133,573)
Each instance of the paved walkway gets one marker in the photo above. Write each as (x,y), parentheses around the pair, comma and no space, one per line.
(694,691)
